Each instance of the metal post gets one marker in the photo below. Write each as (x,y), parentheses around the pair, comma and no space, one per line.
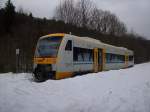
(17,60)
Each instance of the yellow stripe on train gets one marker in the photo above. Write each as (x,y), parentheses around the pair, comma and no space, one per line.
(62,75)
(39,60)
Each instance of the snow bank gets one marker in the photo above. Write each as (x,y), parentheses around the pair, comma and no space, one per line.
(125,90)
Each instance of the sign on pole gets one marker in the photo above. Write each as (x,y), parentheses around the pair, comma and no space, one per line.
(17,51)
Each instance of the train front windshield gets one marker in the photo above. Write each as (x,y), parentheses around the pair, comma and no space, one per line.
(48,47)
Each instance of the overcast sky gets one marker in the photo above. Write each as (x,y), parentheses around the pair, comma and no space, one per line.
(134,13)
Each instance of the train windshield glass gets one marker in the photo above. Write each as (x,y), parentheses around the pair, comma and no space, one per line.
(48,47)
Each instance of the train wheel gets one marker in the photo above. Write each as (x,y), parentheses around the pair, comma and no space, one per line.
(39,76)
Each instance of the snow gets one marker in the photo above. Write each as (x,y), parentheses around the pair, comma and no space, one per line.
(125,90)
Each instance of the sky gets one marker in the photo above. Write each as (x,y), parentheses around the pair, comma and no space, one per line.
(134,13)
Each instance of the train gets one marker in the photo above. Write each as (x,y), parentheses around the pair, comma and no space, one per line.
(61,55)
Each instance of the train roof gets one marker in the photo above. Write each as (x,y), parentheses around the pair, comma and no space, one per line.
(54,34)
(95,41)
(88,39)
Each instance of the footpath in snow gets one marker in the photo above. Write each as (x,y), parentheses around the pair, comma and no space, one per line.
(125,90)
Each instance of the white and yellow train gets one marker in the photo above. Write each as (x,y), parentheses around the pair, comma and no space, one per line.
(62,55)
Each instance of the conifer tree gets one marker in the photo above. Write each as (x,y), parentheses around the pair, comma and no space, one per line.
(9,15)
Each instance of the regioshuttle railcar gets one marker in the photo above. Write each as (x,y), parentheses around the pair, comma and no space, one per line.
(60,55)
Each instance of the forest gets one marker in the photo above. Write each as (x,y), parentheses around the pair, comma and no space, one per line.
(21,30)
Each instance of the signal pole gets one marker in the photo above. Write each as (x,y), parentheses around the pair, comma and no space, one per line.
(17,60)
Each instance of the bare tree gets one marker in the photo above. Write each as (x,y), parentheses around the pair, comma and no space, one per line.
(85,7)
(66,11)
(83,13)
(110,24)
(95,19)
(77,14)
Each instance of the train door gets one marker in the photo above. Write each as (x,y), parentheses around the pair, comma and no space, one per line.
(96,60)
(100,60)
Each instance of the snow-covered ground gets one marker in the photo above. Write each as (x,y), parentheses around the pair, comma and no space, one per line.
(125,90)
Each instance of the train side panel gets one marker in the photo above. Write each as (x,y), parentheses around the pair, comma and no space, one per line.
(113,66)
(67,66)
(64,65)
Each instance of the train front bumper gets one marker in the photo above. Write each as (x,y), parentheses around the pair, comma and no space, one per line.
(46,67)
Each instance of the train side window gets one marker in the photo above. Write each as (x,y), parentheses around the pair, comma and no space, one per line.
(68,46)
(82,54)
(114,58)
